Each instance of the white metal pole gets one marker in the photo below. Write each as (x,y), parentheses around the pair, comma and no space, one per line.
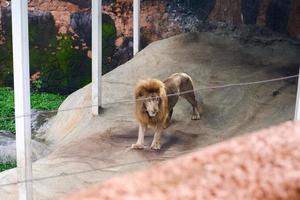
(297,107)
(136,26)
(96,56)
(22,96)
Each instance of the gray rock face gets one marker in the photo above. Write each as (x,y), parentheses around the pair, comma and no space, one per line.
(39,125)
(8,148)
(39,121)
(81,24)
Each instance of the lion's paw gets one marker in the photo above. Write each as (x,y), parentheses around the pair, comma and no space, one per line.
(137,146)
(155,146)
(196,116)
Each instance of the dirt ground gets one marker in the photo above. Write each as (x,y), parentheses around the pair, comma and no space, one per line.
(88,149)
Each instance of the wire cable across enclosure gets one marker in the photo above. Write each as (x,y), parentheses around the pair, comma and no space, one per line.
(131,101)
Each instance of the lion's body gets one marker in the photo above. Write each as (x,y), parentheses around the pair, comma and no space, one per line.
(155,101)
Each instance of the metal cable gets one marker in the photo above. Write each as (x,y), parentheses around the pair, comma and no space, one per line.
(131,101)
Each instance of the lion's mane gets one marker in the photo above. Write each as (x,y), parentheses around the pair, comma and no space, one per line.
(143,90)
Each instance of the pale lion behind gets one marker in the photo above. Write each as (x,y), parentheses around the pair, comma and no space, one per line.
(155,101)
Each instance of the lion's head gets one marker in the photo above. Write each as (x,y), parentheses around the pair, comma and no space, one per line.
(151,106)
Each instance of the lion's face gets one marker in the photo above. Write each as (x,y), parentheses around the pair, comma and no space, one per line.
(151,104)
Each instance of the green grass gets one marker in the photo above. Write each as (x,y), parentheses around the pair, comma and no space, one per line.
(8,165)
(39,101)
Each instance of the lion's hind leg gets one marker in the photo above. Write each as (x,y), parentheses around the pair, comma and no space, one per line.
(190,97)
(188,93)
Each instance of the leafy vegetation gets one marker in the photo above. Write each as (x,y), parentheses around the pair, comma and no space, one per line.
(63,65)
(39,101)
(60,59)
(8,165)
(7,110)
(108,39)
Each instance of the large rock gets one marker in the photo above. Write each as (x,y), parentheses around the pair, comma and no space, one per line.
(87,149)
(8,148)
(40,122)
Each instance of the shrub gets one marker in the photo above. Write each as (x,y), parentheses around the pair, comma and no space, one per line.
(39,101)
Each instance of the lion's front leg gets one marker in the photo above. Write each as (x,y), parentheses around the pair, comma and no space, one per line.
(140,141)
(156,140)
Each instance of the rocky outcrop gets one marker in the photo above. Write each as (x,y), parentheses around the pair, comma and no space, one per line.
(61,11)
(80,22)
(40,121)
(34,17)
(123,53)
(8,148)
(155,20)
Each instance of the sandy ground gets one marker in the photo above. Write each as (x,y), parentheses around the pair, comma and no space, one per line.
(88,149)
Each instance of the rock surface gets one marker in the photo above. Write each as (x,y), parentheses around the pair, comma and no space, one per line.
(40,123)
(8,148)
(264,165)
(86,149)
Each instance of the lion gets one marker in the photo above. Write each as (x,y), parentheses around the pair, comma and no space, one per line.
(154,103)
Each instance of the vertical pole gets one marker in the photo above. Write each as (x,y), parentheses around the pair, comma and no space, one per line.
(96,56)
(136,26)
(297,107)
(22,97)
